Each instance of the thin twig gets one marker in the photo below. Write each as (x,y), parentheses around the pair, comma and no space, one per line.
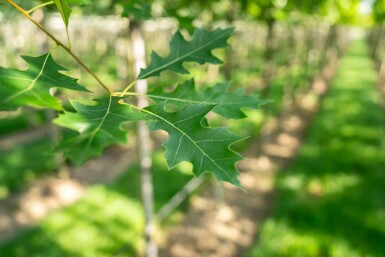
(26,14)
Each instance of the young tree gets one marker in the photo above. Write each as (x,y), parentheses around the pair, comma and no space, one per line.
(99,125)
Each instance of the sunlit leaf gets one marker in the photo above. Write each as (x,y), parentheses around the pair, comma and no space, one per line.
(31,87)
(208,149)
(98,126)
(197,50)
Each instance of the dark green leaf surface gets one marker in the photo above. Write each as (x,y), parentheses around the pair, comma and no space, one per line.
(228,104)
(64,9)
(98,126)
(31,87)
(197,50)
(208,149)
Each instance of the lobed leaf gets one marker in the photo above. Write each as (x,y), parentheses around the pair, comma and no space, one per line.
(208,149)
(197,50)
(98,126)
(228,104)
(31,87)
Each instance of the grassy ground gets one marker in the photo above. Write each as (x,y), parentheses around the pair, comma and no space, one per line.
(24,163)
(332,200)
(106,221)
(20,121)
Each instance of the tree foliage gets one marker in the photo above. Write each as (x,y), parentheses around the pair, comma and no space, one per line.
(99,125)
(379,11)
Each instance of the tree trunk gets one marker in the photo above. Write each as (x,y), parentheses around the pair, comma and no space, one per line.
(229,64)
(290,52)
(378,44)
(143,142)
(268,70)
(330,46)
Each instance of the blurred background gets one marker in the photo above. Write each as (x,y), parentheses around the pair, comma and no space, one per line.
(314,174)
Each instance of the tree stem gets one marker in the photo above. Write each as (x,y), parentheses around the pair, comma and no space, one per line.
(76,58)
(143,137)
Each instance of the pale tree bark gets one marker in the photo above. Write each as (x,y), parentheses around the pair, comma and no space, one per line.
(143,142)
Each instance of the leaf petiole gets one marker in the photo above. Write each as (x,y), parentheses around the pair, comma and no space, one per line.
(121,101)
(128,87)
(133,106)
(39,6)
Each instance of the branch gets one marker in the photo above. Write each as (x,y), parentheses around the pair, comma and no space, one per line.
(76,58)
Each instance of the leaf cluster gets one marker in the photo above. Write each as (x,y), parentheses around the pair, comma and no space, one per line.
(100,124)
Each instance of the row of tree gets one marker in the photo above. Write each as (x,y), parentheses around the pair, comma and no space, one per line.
(296,34)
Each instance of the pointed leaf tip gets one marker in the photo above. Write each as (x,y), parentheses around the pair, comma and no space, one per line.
(64,10)
(31,87)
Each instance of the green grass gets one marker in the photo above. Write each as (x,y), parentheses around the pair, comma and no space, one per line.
(23,163)
(12,124)
(20,121)
(106,221)
(332,200)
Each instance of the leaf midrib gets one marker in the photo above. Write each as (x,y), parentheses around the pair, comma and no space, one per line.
(29,88)
(198,102)
(93,134)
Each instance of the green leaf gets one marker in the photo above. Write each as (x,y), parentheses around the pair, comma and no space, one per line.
(197,50)
(98,126)
(64,9)
(228,104)
(208,149)
(31,87)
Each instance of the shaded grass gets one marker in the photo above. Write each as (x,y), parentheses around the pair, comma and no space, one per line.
(24,163)
(332,201)
(13,123)
(106,221)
